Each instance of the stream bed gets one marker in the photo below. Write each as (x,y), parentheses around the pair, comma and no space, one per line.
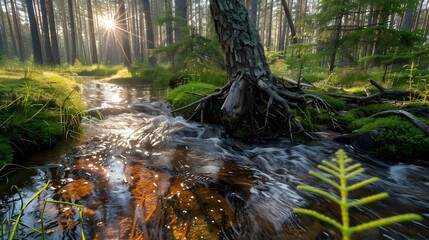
(142,173)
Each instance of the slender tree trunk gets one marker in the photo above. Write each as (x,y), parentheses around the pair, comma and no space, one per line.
(53,32)
(73,53)
(253,11)
(35,40)
(290,22)
(150,40)
(180,12)
(92,44)
(17,24)
(47,40)
(4,36)
(270,26)
(125,40)
(335,43)
(65,31)
(12,35)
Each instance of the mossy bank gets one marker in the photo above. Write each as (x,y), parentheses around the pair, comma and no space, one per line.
(37,109)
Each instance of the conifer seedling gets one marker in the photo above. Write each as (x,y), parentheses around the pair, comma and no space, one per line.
(342,169)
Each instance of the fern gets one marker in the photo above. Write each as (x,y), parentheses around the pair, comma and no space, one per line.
(342,169)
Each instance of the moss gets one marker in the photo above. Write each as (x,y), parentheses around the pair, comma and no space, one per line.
(400,140)
(38,109)
(182,96)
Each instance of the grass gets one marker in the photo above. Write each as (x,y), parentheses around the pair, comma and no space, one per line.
(98,70)
(38,108)
(10,227)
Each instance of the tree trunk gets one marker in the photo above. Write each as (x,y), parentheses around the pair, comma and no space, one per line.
(180,12)
(290,22)
(53,32)
(17,24)
(125,40)
(244,59)
(12,35)
(92,44)
(35,40)
(150,41)
(72,32)
(65,31)
(4,38)
(47,40)
(253,11)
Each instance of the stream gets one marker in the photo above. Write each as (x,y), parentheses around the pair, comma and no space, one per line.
(142,173)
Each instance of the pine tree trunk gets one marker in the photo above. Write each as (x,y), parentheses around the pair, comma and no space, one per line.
(3,29)
(92,44)
(150,40)
(17,24)
(53,32)
(65,31)
(73,53)
(35,40)
(244,59)
(46,39)
(180,12)
(125,40)
(12,35)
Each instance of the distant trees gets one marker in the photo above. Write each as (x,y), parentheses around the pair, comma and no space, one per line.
(342,32)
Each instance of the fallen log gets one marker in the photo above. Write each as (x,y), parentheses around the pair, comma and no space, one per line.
(382,94)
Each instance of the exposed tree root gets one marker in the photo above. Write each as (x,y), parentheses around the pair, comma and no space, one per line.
(273,115)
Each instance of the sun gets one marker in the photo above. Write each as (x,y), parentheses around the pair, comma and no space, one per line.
(108,23)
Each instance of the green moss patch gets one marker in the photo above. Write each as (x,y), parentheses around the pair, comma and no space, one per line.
(188,93)
(36,110)
(399,139)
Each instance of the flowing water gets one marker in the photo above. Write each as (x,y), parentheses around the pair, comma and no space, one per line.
(142,173)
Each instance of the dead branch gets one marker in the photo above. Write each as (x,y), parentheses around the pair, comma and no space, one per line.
(383,93)
(413,119)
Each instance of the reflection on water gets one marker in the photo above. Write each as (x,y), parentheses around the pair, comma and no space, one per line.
(145,175)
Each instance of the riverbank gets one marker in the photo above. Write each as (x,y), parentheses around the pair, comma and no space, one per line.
(38,109)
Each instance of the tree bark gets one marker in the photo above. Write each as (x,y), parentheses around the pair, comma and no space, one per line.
(290,22)
(65,31)
(73,53)
(53,32)
(35,40)
(250,78)
(150,40)
(180,12)
(92,44)
(125,40)
(47,40)
(12,35)
(17,24)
